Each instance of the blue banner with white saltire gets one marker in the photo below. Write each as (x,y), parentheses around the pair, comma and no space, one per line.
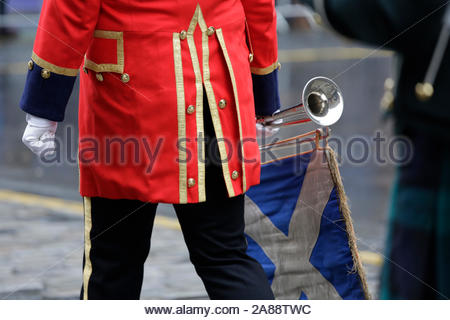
(296,229)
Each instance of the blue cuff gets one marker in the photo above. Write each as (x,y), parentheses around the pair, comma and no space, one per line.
(265,91)
(46,98)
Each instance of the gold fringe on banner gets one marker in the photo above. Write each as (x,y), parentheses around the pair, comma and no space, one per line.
(345,210)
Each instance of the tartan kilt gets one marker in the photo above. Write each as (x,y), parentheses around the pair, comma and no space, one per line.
(418,245)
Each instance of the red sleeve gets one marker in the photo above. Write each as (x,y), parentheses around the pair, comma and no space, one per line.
(65,31)
(262,29)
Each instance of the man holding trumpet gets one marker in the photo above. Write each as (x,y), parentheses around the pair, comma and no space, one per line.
(180,79)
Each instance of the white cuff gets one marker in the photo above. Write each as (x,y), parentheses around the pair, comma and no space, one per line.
(39,122)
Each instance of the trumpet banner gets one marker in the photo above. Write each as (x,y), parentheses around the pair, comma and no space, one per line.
(298,227)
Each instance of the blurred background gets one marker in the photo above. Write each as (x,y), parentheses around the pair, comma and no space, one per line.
(41,226)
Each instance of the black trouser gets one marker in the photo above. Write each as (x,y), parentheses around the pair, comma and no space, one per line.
(213,232)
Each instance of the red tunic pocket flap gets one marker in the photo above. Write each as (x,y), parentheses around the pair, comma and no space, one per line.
(106,53)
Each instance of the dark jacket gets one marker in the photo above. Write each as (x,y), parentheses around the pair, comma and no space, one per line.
(411,28)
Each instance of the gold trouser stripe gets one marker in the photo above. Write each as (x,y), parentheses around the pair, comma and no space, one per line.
(264,71)
(215,115)
(87,271)
(181,116)
(236,99)
(53,68)
(199,119)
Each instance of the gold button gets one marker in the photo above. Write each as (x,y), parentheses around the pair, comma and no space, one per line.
(222,104)
(125,78)
(190,109)
(317,18)
(211,31)
(235,175)
(99,77)
(183,34)
(45,73)
(250,57)
(424,91)
(389,84)
(387,103)
(191,182)
(30,65)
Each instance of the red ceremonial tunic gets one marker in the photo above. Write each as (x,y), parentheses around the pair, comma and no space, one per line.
(145,65)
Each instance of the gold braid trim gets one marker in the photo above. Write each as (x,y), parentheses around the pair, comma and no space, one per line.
(199,118)
(53,68)
(236,99)
(109,67)
(181,116)
(267,70)
(213,107)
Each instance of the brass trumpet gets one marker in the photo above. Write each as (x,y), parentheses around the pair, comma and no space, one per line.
(322,103)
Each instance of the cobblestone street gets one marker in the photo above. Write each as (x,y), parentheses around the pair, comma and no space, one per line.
(41,239)
(41,254)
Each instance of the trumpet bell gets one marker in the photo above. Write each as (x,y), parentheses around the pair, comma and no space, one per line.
(323,101)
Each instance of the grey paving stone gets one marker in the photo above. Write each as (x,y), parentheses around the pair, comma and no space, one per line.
(18,288)
(373,279)
(41,254)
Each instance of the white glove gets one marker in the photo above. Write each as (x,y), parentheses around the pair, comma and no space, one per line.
(39,135)
(268,131)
